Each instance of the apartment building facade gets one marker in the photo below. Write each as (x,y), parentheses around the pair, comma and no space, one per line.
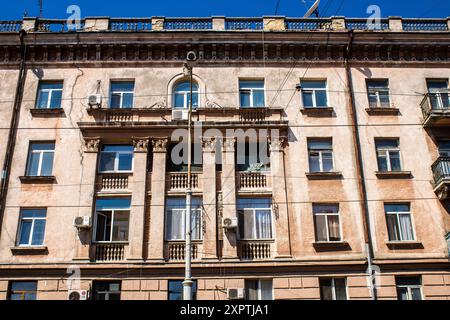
(351,201)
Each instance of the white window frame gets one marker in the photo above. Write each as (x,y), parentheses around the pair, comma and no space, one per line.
(409,290)
(397,219)
(251,90)
(387,154)
(333,287)
(326,220)
(377,93)
(185,94)
(50,94)
(438,93)
(41,157)
(183,221)
(31,233)
(113,211)
(254,224)
(259,290)
(116,162)
(321,151)
(443,150)
(121,93)
(313,91)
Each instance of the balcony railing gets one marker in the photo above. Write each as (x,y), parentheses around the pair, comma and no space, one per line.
(179,181)
(441,170)
(175,251)
(244,24)
(188,24)
(255,249)
(362,24)
(424,25)
(109,252)
(436,105)
(308,24)
(112,182)
(252,114)
(10,26)
(130,24)
(253,180)
(57,25)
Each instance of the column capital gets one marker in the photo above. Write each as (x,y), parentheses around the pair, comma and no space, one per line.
(209,144)
(277,143)
(140,144)
(228,144)
(91,144)
(160,145)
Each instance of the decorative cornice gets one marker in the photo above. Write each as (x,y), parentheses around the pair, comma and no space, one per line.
(91,145)
(160,145)
(140,144)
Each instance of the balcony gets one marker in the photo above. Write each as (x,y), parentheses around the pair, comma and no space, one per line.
(112,182)
(255,249)
(178,181)
(175,250)
(436,109)
(441,174)
(254,181)
(108,252)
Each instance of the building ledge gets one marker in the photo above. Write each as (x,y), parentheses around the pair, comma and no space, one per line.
(393,174)
(29,251)
(38,180)
(404,245)
(47,113)
(324,175)
(331,246)
(318,112)
(379,111)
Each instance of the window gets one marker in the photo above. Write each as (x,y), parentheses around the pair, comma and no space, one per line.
(40,159)
(176,290)
(388,155)
(409,288)
(32,227)
(251,93)
(314,93)
(320,153)
(175,218)
(105,290)
(326,221)
(255,218)
(49,95)
(22,290)
(112,219)
(444,148)
(255,156)
(378,93)
(333,289)
(177,161)
(182,95)
(122,94)
(116,158)
(399,224)
(438,92)
(259,289)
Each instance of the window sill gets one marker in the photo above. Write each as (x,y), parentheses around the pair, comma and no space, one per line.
(393,174)
(57,112)
(404,245)
(319,112)
(332,246)
(29,251)
(38,180)
(324,175)
(379,111)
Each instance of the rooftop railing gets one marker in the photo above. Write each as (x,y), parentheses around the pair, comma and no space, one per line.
(425,25)
(361,24)
(188,24)
(57,25)
(244,24)
(130,24)
(308,24)
(10,26)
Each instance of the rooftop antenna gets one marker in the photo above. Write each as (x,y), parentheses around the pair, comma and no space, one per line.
(40,8)
(313,10)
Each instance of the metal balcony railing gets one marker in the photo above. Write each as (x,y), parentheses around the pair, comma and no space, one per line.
(424,25)
(435,103)
(308,24)
(57,26)
(10,26)
(362,24)
(188,24)
(244,24)
(441,170)
(130,24)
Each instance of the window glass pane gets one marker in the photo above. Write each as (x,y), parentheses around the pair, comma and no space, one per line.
(327,161)
(266,290)
(333,228)
(127,100)
(307,99)
(314,162)
(246,203)
(392,227)
(321,98)
(42,100)
(323,208)
(195,101)
(245,98)
(263,224)
(373,100)
(251,288)
(406,227)
(395,160)
(382,162)
(125,161)
(384,99)
(122,86)
(386,144)
(321,229)
(103,230)
(38,232)
(408,281)
(175,224)
(313,84)
(178,100)
(320,144)
(25,231)
(196,224)
(50,85)
(55,101)
(120,227)
(21,290)
(416,294)
(115,100)
(47,164)
(33,164)
(437,85)
(340,291)
(107,161)
(251,84)
(326,289)
(113,203)
(258,98)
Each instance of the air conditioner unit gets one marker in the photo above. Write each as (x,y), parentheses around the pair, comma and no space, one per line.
(77,295)
(180,114)
(236,294)
(83,222)
(229,223)
(95,100)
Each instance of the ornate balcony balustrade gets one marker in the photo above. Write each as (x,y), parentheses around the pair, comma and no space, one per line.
(248,181)
(425,25)
(10,26)
(57,26)
(130,24)
(112,182)
(188,24)
(179,181)
(255,249)
(108,252)
(175,251)
(244,24)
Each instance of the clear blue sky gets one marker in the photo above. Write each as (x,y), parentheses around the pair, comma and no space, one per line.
(14,9)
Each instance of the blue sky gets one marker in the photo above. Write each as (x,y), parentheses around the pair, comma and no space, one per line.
(14,9)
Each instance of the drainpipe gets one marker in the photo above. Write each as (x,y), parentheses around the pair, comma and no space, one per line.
(13,127)
(360,168)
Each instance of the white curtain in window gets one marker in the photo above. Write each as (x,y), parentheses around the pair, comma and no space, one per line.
(266,289)
(405,227)
(263,224)
(175,224)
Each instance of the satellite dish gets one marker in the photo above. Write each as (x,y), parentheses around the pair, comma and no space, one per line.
(313,10)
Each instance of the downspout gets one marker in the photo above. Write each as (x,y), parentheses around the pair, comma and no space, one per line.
(360,168)
(13,128)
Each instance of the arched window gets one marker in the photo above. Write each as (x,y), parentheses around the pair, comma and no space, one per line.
(181,95)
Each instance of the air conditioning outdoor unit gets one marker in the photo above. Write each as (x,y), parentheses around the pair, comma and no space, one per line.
(78,295)
(180,114)
(236,294)
(83,222)
(229,223)
(95,100)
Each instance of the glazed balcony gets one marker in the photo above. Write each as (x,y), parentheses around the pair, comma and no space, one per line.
(108,252)
(174,251)
(255,249)
(254,181)
(436,109)
(441,174)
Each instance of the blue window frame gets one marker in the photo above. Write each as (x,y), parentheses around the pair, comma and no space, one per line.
(40,159)
(49,95)
(251,93)
(32,227)
(182,95)
(122,95)
(22,290)
(116,158)
(176,290)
